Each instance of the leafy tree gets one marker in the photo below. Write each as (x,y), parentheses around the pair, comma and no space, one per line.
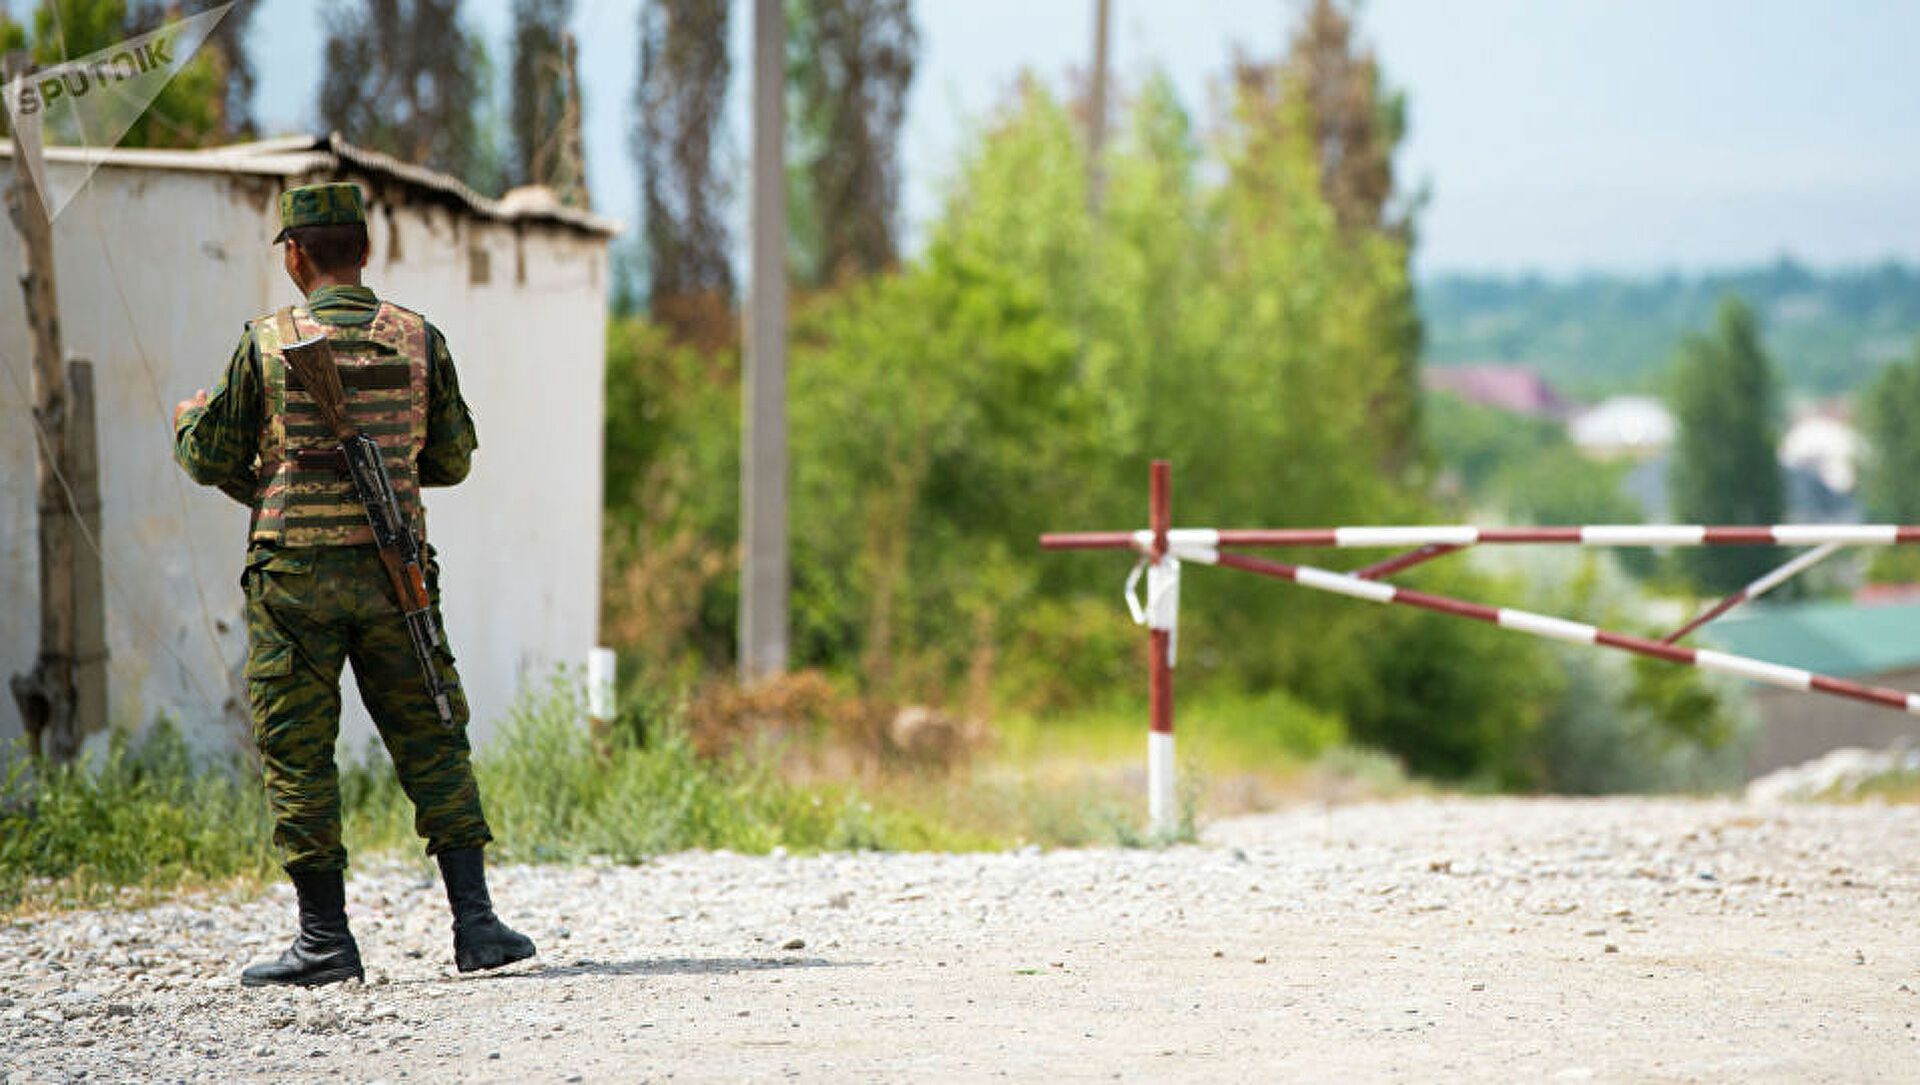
(1890,419)
(13,37)
(205,103)
(684,192)
(404,77)
(1725,470)
(228,41)
(1890,423)
(672,454)
(545,114)
(850,64)
(1016,377)
(1328,93)
(1354,120)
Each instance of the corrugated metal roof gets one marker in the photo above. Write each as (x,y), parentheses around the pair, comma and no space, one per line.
(306,155)
(1840,639)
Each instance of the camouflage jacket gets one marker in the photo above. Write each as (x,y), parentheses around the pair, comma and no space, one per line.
(219,444)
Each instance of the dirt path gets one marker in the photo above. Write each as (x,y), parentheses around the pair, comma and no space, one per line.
(1498,940)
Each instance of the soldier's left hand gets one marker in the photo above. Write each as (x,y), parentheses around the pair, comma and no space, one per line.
(199,400)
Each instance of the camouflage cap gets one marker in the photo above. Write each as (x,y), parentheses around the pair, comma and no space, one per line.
(333,204)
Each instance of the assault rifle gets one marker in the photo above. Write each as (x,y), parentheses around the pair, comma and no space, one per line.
(311,360)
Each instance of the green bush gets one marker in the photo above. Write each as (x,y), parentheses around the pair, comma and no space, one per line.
(1273,728)
(1621,723)
(141,814)
(553,795)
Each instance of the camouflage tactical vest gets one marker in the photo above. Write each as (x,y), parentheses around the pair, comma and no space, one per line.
(383,369)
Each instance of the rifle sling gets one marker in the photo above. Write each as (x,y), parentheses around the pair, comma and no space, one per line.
(283,326)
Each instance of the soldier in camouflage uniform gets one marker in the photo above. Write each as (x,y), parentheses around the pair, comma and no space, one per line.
(317,594)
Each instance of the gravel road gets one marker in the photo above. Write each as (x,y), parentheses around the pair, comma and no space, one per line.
(1453,939)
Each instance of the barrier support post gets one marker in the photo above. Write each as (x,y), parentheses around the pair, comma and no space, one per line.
(1163,603)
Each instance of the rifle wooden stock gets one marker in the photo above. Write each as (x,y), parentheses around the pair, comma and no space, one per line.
(311,361)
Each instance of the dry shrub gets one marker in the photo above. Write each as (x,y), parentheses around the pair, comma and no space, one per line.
(922,737)
(816,728)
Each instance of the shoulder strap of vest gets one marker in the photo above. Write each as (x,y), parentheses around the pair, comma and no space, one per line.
(283,326)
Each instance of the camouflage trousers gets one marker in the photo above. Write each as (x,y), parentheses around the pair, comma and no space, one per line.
(309,611)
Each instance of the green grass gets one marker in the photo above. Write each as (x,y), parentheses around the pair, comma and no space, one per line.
(141,816)
(145,818)
(554,794)
(1899,786)
(1222,730)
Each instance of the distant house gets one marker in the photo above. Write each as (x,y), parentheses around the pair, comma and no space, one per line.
(1818,458)
(1646,482)
(1516,389)
(1623,427)
(1877,645)
(1808,499)
(1811,501)
(1823,442)
(161,258)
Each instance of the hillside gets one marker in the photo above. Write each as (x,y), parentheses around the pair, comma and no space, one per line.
(1827,331)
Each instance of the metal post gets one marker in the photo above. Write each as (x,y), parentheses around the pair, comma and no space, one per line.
(1163,602)
(1097,106)
(763,465)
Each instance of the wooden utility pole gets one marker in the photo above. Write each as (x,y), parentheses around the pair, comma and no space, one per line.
(1097,106)
(45,694)
(55,709)
(763,464)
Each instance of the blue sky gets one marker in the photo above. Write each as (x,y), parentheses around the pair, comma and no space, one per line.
(1620,135)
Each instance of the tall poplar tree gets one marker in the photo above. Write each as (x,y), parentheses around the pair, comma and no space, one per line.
(1725,470)
(1355,119)
(851,62)
(545,111)
(684,69)
(1330,84)
(1890,422)
(404,77)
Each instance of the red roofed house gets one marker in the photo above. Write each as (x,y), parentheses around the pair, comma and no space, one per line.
(1516,389)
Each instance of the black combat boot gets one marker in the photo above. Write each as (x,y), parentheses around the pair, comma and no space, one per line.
(480,940)
(324,951)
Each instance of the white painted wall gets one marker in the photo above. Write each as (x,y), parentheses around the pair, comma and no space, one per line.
(158,270)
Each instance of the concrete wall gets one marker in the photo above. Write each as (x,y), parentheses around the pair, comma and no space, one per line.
(157,271)
(1798,727)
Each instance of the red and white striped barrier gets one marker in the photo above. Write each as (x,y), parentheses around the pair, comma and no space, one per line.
(1164,547)
(1193,540)
(1575,632)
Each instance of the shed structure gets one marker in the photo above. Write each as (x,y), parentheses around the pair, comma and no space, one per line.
(1879,645)
(160,260)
